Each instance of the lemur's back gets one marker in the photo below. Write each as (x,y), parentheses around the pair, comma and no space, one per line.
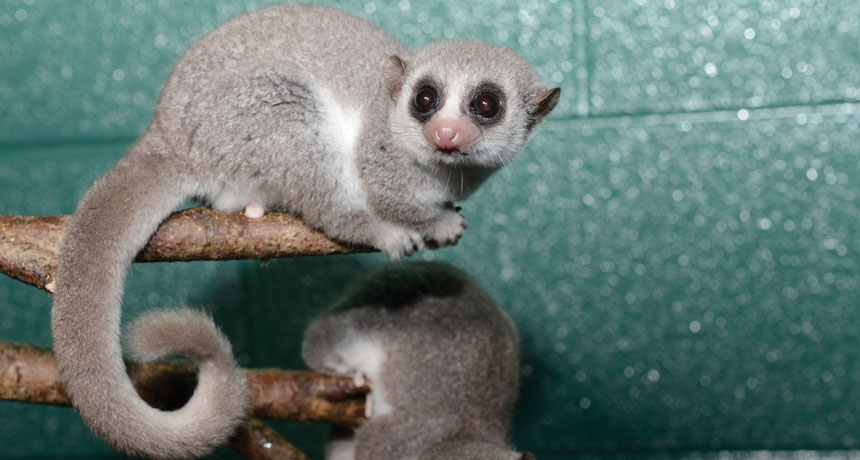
(454,358)
(314,43)
(442,356)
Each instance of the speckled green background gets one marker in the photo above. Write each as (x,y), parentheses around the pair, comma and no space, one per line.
(676,244)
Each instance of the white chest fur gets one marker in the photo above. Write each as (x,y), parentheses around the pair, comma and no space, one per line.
(342,127)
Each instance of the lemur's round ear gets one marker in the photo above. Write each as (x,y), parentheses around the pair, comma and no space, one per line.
(542,103)
(528,455)
(395,71)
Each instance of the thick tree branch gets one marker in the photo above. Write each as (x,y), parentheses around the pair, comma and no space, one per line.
(29,374)
(30,246)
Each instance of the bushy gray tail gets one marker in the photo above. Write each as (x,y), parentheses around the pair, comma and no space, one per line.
(111,225)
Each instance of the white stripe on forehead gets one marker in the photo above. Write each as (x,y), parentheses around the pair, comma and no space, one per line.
(454,92)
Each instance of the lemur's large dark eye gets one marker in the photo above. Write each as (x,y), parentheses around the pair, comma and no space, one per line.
(486,104)
(426,99)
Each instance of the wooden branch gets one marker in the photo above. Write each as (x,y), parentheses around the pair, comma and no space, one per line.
(29,374)
(258,441)
(30,246)
(29,252)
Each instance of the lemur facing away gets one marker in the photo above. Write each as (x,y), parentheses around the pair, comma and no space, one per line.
(295,107)
(442,358)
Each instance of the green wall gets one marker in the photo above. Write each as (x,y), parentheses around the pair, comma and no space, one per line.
(675,245)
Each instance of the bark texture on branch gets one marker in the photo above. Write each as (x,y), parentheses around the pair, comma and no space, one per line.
(258,441)
(30,246)
(29,374)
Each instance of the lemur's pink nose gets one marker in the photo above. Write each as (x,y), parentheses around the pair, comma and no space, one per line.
(451,133)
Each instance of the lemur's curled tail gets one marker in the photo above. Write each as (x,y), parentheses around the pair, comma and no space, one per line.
(111,225)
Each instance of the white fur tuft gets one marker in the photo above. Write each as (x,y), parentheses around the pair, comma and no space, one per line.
(365,354)
(343,125)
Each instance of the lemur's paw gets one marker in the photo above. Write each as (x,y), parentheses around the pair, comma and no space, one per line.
(398,242)
(447,230)
(358,379)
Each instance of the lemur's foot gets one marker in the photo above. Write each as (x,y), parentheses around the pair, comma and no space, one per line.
(255,210)
(368,405)
(359,380)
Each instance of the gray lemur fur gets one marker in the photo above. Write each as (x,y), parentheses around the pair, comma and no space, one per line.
(293,106)
(443,362)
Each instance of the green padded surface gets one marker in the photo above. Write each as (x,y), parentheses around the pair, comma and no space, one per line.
(669,55)
(676,246)
(92,69)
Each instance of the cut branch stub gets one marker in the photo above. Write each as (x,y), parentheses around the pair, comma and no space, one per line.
(29,374)
(30,246)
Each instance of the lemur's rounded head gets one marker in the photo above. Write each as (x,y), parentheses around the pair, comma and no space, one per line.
(465,102)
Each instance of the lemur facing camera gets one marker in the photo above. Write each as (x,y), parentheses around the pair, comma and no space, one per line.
(294,107)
